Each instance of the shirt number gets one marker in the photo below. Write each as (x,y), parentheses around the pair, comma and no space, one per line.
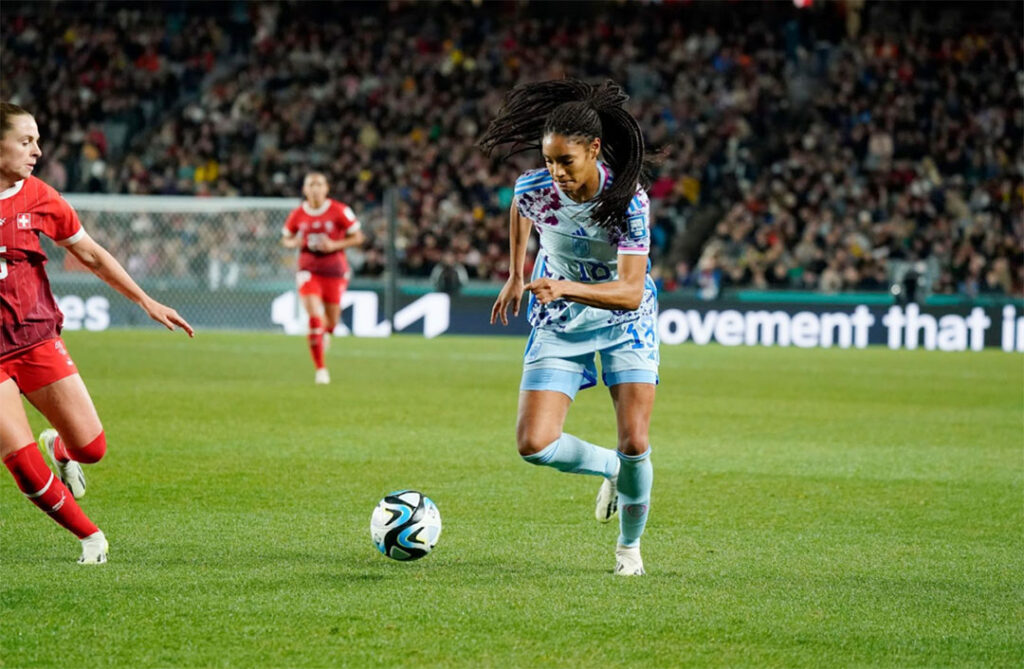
(643,339)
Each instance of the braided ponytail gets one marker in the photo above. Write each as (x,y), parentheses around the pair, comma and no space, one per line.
(576,109)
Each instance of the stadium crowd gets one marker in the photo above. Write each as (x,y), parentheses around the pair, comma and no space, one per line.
(828,151)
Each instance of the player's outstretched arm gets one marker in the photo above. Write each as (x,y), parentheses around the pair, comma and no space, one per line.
(511,294)
(625,293)
(356,238)
(291,241)
(105,266)
(165,315)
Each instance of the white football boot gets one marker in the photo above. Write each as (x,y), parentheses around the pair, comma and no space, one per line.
(94,549)
(607,500)
(628,561)
(70,473)
(322,378)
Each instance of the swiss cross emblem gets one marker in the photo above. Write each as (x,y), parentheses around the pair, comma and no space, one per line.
(24,221)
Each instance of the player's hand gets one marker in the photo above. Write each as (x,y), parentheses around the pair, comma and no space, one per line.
(167,317)
(545,290)
(321,243)
(511,295)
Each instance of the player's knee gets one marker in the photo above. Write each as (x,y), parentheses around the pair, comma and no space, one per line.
(530,442)
(91,452)
(316,324)
(634,443)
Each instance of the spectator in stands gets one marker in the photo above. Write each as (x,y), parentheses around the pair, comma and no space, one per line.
(449,275)
(828,135)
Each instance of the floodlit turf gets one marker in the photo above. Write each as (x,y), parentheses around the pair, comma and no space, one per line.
(811,509)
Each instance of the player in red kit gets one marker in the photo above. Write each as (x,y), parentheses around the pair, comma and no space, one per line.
(33,359)
(322,228)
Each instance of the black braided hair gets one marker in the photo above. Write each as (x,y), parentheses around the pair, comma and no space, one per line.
(580,110)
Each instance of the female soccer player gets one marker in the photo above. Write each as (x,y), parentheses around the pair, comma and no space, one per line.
(33,360)
(590,289)
(323,229)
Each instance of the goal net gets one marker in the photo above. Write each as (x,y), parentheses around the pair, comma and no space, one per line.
(218,261)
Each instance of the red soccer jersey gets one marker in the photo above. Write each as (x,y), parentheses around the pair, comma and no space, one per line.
(28,310)
(334,220)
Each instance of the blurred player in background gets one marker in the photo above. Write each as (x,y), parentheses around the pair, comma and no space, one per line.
(591,291)
(33,359)
(322,228)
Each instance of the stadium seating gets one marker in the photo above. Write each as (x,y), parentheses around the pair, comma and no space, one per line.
(798,149)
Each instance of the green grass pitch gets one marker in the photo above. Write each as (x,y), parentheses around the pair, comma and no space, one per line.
(811,508)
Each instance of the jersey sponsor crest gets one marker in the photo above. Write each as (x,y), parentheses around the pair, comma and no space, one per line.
(581,246)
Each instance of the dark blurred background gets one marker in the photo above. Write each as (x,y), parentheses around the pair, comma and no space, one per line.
(840,146)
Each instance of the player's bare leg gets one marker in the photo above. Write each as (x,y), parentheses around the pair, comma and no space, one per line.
(314,307)
(541,440)
(541,417)
(14,428)
(21,456)
(633,405)
(332,316)
(68,407)
(78,434)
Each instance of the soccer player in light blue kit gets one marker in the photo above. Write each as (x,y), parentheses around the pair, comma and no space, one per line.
(590,290)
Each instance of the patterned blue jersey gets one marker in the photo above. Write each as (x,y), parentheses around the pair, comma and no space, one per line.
(575,248)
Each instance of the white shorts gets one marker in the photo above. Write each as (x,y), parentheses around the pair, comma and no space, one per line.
(566,362)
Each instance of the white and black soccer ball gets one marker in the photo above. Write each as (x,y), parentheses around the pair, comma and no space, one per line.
(405,525)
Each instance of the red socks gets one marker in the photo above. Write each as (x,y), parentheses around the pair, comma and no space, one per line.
(88,454)
(316,341)
(46,491)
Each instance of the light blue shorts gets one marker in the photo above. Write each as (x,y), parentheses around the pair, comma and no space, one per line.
(565,362)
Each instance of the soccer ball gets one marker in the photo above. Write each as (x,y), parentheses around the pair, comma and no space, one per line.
(405,525)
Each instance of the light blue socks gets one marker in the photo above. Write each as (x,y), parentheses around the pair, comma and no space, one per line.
(635,477)
(572,454)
